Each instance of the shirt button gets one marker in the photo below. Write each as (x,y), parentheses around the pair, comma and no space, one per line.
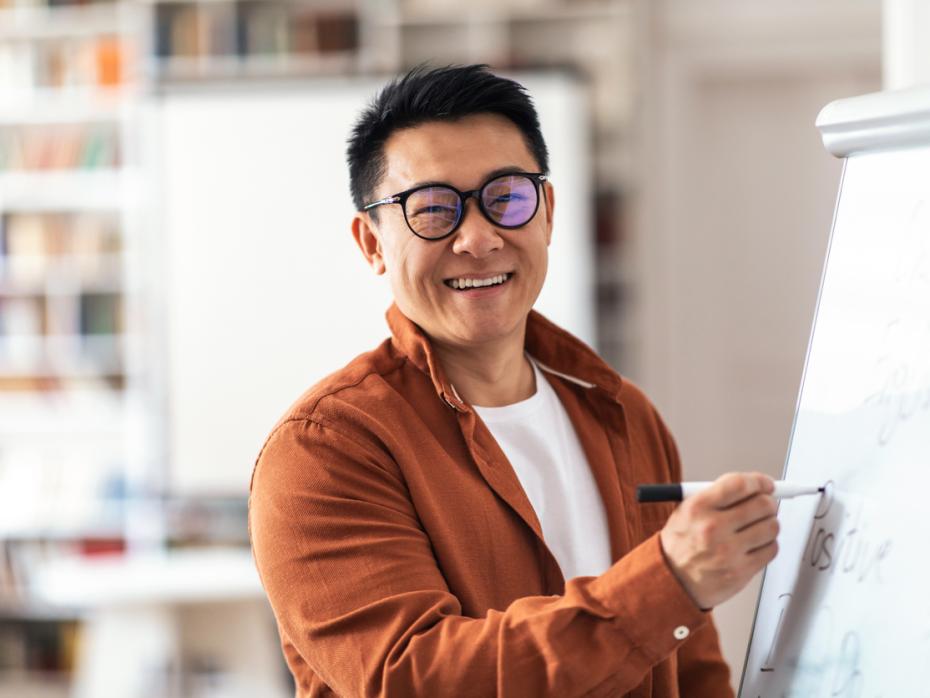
(681,632)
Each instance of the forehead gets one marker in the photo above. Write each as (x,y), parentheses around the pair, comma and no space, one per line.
(458,152)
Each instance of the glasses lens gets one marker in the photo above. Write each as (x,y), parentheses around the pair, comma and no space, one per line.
(510,200)
(432,212)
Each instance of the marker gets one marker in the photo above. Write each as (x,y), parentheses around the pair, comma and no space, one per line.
(675,492)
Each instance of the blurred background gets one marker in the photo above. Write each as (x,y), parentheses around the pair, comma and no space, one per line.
(176,267)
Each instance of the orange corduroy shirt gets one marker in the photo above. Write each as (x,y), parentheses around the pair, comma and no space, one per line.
(402,557)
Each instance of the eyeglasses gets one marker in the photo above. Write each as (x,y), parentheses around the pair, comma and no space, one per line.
(435,211)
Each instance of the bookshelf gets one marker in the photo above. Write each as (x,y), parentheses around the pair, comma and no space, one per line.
(80,374)
(68,376)
(203,42)
(250,39)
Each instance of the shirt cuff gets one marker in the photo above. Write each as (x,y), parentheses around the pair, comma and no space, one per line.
(652,607)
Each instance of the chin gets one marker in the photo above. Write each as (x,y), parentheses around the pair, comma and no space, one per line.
(483,333)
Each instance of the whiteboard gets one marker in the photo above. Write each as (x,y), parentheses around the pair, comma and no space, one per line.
(844,608)
(264,290)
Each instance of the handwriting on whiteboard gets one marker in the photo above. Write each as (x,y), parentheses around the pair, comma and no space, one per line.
(902,371)
(842,542)
(844,547)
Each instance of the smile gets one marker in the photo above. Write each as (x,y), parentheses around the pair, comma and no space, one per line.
(462,283)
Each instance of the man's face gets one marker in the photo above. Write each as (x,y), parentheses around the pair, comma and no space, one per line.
(463,153)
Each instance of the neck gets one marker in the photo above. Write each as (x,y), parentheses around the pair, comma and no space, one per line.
(492,375)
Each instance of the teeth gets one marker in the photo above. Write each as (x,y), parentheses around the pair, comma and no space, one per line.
(479,283)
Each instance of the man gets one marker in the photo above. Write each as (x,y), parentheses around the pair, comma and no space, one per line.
(452,514)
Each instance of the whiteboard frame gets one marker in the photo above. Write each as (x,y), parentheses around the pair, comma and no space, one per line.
(797,410)
(849,127)
(880,120)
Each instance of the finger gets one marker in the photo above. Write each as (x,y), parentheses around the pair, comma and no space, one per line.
(744,514)
(760,557)
(758,535)
(732,488)
(750,511)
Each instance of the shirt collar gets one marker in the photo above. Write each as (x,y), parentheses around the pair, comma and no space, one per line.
(555,350)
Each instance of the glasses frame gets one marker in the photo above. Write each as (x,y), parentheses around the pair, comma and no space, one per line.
(537,178)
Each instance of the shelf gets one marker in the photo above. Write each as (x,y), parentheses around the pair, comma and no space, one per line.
(61,356)
(66,413)
(60,22)
(431,15)
(12,611)
(55,190)
(19,684)
(64,275)
(331,5)
(62,105)
(284,65)
(182,576)
(37,531)
(48,518)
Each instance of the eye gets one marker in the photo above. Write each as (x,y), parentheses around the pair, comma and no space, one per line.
(507,198)
(434,210)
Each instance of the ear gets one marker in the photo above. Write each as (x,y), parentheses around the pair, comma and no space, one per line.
(366,237)
(549,200)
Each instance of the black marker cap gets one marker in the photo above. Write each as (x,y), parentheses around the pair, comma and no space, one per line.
(658,493)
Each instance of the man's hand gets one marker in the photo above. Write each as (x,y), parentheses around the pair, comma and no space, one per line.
(717,540)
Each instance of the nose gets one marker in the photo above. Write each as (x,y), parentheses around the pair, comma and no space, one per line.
(476,235)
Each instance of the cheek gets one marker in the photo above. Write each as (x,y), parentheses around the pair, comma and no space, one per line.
(412,268)
(395,266)
(543,267)
(538,254)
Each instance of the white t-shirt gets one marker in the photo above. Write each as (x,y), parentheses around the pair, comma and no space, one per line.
(540,442)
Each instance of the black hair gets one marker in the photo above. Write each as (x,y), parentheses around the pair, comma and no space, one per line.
(427,94)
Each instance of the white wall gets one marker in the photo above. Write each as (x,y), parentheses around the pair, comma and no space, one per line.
(906,36)
(733,223)
(264,290)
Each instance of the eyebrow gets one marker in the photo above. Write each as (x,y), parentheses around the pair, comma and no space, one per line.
(508,169)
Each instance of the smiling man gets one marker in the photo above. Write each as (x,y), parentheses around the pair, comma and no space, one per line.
(452,513)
